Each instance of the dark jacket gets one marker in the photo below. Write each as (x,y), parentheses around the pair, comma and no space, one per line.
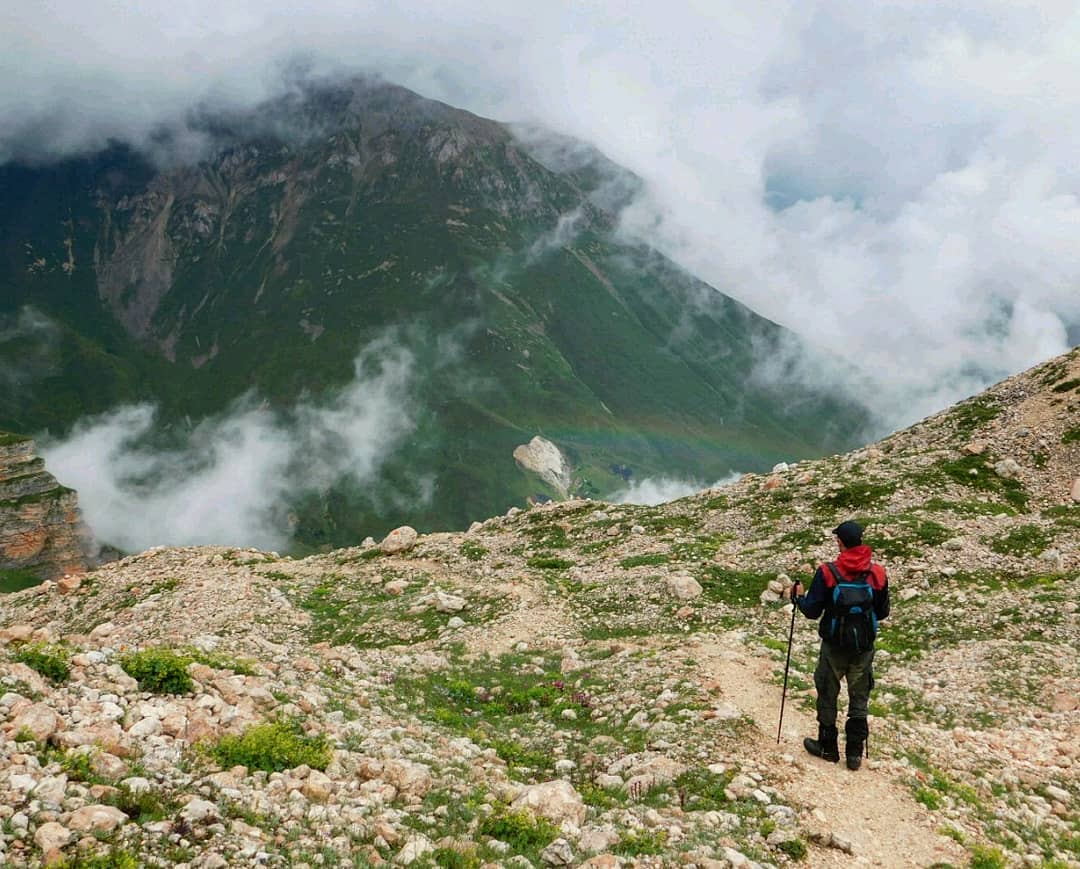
(851,563)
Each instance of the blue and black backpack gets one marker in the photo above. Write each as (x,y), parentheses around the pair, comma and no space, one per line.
(852,624)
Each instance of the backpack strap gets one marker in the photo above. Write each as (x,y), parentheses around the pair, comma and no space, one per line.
(837,577)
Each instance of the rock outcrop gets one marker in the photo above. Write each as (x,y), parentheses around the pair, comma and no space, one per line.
(40,528)
(545,460)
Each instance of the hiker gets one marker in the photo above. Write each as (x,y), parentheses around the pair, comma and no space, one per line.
(850,596)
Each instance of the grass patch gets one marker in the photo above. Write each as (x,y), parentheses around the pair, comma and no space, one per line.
(1027,540)
(1064,515)
(807,538)
(973,472)
(854,496)
(700,790)
(159,671)
(50,661)
(1071,435)
(549,562)
(17,580)
(735,587)
(272,747)
(968,508)
(472,550)
(7,439)
(657,523)
(651,558)
(975,412)
(1067,386)
(906,535)
(547,536)
(113,859)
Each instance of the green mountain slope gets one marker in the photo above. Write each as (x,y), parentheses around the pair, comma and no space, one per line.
(350,213)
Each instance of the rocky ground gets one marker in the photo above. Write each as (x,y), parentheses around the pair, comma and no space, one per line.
(579,683)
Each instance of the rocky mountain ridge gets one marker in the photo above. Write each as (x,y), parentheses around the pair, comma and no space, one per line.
(355,220)
(41,532)
(580,683)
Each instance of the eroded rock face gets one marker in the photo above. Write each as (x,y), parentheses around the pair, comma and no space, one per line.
(545,460)
(40,527)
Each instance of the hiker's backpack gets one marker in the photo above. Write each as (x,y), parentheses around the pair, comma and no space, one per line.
(853,624)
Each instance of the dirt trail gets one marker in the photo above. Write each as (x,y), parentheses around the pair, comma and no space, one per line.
(870,809)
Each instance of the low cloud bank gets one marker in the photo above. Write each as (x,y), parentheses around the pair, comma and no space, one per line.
(659,490)
(895,181)
(231,479)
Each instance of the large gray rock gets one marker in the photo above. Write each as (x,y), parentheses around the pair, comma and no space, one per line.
(1075,494)
(38,719)
(555,800)
(558,853)
(399,540)
(683,586)
(1007,469)
(51,837)
(98,818)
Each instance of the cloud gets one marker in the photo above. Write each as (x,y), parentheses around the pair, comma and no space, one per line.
(660,490)
(232,477)
(895,181)
(29,347)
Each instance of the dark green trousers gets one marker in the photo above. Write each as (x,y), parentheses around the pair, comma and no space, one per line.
(833,665)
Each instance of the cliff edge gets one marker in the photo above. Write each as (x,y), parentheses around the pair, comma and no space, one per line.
(41,532)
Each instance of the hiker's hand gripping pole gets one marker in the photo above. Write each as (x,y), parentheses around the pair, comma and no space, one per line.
(787,664)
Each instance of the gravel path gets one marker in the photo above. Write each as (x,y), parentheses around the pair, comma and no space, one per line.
(870,809)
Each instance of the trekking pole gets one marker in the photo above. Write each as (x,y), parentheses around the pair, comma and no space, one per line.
(787,665)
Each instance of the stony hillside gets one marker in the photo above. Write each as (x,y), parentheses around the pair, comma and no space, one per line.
(41,534)
(580,683)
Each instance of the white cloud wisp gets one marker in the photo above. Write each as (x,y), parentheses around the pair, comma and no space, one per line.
(231,479)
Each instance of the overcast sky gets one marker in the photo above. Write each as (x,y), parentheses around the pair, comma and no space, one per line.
(897,180)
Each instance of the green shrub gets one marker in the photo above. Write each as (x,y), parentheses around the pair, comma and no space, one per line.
(928,797)
(794,848)
(112,860)
(50,661)
(521,830)
(987,857)
(273,747)
(159,671)
(1067,386)
(142,806)
(1071,435)
(448,858)
(641,842)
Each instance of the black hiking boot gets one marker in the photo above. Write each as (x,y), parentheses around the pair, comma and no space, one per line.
(856,730)
(825,746)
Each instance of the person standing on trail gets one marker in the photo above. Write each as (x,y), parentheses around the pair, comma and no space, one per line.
(850,596)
